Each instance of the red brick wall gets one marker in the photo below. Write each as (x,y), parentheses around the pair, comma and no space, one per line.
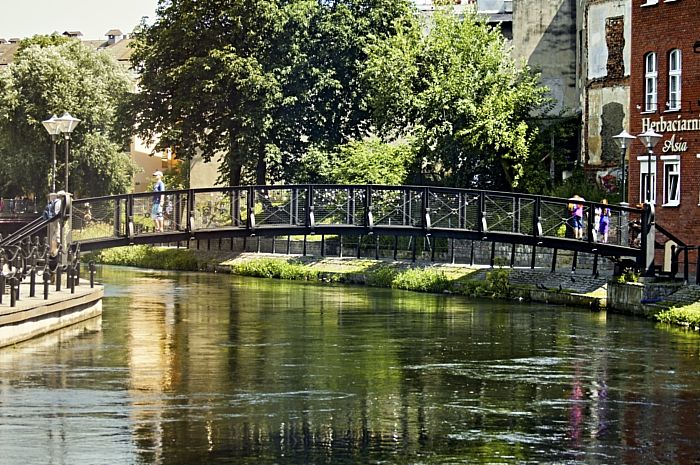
(661,28)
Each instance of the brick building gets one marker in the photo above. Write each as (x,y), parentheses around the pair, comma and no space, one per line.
(665,97)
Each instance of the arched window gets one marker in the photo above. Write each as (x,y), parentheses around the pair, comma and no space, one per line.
(674,80)
(650,76)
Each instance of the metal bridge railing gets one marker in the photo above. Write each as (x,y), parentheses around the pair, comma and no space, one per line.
(387,210)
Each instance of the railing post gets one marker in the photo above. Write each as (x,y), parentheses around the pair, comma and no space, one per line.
(91,266)
(250,225)
(311,220)
(369,218)
(481,225)
(47,280)
(697,265)
(425,210)
(645,258)
(685,265)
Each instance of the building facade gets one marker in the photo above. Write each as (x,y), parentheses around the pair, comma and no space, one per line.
(603,70)
(665,97)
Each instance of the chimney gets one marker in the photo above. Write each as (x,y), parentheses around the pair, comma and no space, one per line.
(3,41)
(113,36)
(14,40)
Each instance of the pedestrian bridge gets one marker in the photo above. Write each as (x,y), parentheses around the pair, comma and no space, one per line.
(357,210)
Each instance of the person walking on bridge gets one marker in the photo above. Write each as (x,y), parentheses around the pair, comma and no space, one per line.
(576,208)
(158,201)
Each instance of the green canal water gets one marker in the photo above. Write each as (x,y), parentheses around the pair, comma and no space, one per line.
(188,368)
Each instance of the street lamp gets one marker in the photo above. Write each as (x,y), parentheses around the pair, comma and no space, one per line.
(623,140)
(66,124)
(54,130)
(649,139)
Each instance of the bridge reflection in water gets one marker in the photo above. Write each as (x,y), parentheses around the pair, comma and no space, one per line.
(399,211)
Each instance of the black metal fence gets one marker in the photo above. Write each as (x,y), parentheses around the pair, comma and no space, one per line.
(365,209)
(31,263)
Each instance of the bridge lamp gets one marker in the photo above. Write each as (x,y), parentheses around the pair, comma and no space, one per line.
(66,124)
(649,139)
(52,127)
(623,141)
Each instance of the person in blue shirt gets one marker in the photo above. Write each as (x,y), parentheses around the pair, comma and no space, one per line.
(158,201)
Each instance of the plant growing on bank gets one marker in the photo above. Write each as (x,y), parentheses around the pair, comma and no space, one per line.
(272,268)
(147,257)
(684,316)
(422,280)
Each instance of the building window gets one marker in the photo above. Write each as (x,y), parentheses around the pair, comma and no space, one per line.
(650,82)
(672,180)
(674,80)
(647,179)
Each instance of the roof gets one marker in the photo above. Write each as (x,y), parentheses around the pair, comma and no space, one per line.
(7,53)
(114,32)
(120,50)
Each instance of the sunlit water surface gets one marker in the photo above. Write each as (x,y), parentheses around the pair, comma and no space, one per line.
(190,368)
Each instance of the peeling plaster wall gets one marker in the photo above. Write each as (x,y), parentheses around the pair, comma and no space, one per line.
(608,116)
(544,35)
(607,50)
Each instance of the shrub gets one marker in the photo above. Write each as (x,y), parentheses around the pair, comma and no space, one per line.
(421,279)
(272,268)
(382,277)
(680,316)
(147,257)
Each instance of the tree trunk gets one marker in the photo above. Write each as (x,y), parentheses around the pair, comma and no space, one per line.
(261,168)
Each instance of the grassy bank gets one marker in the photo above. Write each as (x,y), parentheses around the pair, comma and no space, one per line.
(380,274)
(147,257)
(688,315)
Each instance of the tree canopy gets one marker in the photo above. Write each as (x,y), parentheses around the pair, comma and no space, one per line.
(52,75)
(452,85)
(258,81)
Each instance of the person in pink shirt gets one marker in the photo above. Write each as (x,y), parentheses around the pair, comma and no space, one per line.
(576,207)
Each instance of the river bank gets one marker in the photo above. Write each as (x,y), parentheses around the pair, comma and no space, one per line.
(677,305)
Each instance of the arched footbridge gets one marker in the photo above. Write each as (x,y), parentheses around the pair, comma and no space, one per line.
(399,211)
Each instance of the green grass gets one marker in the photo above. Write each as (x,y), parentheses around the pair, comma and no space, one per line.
(685,316)
(422,279)
(147,257)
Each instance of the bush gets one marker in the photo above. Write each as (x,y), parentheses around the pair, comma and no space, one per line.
(383,277)
(681,316)
(421,279)
(272,268)
(146,256)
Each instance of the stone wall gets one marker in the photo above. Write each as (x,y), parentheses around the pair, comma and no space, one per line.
(463,251)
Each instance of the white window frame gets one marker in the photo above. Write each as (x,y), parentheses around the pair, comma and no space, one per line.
(674,79)
(650,82)
(643,170)
(651,2)
(672,169)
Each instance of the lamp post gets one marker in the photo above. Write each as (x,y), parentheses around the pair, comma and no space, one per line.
(66,124)
(649,139)
(54,130)
(623,140)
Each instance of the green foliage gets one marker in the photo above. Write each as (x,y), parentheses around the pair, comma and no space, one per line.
(382,277)
(275,268)
(581,184)
(452,85)
(147,257)
(684,316)
(629,275)
(556,140)
(421,279)
(52,75)
(497,283)
(372,161)
(260,81)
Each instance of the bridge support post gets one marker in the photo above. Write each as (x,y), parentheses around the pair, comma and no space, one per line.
(554,260)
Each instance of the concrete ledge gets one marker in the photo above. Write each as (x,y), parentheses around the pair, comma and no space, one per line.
(35,316)
(567,298)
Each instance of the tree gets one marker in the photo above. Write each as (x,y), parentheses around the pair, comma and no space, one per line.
(257,81)
(51,75)
(452,85)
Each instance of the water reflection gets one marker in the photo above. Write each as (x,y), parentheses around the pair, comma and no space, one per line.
(195,368)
